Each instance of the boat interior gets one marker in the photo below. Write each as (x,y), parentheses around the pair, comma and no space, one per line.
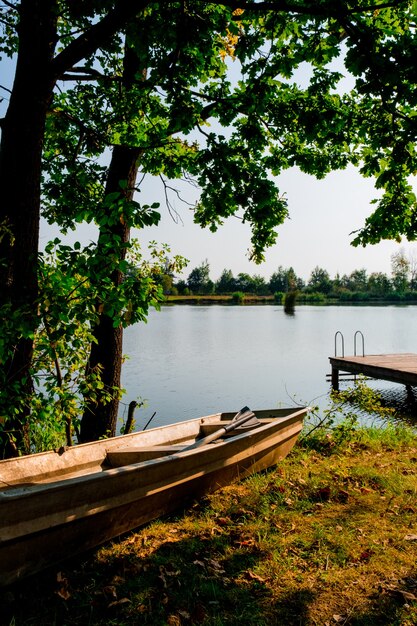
(88,459)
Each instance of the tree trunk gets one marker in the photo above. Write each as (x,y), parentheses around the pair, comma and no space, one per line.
(100,419)
(20,174)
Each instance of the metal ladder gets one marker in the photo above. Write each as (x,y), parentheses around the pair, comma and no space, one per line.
(355,336)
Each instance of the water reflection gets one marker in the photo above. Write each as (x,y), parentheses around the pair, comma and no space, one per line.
(402,401)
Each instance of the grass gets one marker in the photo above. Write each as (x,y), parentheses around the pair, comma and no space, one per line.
(328,537)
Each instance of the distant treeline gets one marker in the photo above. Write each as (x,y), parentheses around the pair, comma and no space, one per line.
(401,285)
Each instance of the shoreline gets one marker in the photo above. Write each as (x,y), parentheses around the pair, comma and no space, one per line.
(271,300)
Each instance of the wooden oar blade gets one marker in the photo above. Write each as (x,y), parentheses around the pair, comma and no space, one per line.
(240,420)
(245,412)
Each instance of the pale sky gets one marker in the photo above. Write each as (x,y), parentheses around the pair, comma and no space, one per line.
(323,215)
(317,233)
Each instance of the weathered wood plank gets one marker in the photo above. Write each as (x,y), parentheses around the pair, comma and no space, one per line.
(397,368)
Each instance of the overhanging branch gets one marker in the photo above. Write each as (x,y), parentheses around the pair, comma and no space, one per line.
(96,36)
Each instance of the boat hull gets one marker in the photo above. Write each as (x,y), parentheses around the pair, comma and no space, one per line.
(46,517)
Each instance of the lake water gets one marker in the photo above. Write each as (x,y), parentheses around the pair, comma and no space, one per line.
(189,361)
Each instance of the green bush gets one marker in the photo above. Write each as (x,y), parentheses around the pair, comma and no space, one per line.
(238,297)
(289,301)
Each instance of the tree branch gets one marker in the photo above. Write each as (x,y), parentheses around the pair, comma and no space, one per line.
(87,77)
(10,5)
(96,36)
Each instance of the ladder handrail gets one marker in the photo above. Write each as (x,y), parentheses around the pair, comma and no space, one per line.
(355,336)
(335,343)
(358,332)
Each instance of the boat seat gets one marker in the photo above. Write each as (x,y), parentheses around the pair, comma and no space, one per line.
(138,454)
(211,427)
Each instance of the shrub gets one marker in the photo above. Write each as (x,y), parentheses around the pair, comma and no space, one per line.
(238,297)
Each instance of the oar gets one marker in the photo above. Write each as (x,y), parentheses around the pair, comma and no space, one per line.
(243,416)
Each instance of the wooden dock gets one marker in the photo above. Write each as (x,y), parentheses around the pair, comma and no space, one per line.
(397,368)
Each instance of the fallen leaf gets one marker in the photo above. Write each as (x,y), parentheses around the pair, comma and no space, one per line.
(214,567)
(117,580)
(119,602)
(199,614)
(323,494)
(342,496)
(63,593)
(290,530)
(244,542)
(410,538)
(366,555)
(110,590)
(255,576)
(406,595)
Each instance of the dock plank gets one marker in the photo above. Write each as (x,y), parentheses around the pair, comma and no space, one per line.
(398,368)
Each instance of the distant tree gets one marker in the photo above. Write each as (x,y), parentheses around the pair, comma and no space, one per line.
(199,281)
(337,284)
(259,285)
(413,271)
(400,268)
(227,283)
(320,281)
(166,278)
(167,284)
(244,282)
(252,284)
(358,280)
(279,280)
(181,287)
(285,279)
(379,284)
(299,283)
(343,282)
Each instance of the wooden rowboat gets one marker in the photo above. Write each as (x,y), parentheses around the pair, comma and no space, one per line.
(60,503)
